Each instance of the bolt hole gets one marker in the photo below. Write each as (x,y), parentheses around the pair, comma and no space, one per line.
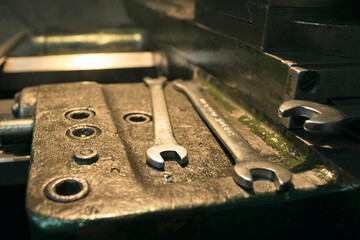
(83,132)
(68,187)
(80,114)
(137,118)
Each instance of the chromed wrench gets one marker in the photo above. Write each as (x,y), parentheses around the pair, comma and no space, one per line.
(165,145)
(247,162)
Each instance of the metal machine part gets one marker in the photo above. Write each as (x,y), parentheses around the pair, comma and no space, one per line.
(21,72)
(248,163)
(320,117)
(126,39)
(165,146)
(256,65)
(25,103)
(15,137)
(88,173)
(78,184)
(265,21)
(252,59)
(16,130)
(15,141)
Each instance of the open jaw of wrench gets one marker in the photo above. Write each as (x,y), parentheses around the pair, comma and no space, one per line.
(165,146)
(248,163)
(320,117)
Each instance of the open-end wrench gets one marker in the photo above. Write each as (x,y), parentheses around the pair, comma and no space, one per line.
(247,162)
(165,145)
(321,118)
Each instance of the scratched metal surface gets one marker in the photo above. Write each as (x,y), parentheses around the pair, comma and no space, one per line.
(128,198)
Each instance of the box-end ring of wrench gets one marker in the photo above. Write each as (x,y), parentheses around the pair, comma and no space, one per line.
(247,162)
(321,118)
(165,144)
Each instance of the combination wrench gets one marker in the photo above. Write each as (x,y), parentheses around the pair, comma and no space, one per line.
(165,145)
(248,163)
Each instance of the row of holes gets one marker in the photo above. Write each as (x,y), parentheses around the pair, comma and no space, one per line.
(136,117)
(71,189)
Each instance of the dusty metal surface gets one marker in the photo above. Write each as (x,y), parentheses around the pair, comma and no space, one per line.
(128,198)
(89,178)
(206,158)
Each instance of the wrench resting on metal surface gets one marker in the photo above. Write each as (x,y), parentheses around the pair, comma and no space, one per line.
(165,145)
(247,162)
(321,118)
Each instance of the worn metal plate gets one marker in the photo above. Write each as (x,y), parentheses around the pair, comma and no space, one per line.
(129,199)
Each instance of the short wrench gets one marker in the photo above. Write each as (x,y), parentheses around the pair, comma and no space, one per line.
(247,162)
(165,145)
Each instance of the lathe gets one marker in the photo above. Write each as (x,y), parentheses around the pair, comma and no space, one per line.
(179,119)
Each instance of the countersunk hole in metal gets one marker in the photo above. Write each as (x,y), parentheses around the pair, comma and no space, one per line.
(66,189)
(137,118)
(80,114)
(83,132)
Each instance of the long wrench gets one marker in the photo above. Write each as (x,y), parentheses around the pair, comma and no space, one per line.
(165,145)
(247,162)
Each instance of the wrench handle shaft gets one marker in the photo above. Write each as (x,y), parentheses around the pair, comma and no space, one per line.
(162,125)
(232,140)
(247,161)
